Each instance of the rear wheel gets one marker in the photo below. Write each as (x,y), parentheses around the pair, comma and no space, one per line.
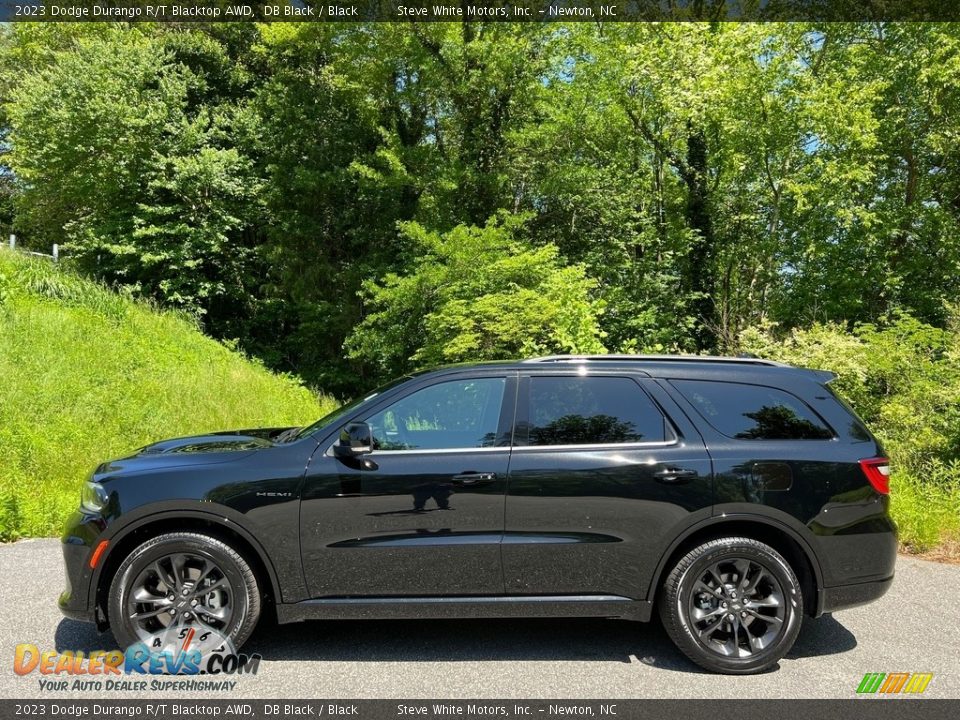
(182,580)
(732,605)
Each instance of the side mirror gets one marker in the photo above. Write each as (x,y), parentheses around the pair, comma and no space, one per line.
(356,438)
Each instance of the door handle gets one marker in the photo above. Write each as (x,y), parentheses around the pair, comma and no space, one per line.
(474,478)
(675,475)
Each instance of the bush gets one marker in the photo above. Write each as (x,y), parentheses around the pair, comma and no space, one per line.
(903,378)
(476,294)
(87,374)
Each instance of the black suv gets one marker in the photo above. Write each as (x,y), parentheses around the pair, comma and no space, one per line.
(731,495)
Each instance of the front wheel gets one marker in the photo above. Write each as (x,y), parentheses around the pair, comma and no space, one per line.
(732,605)
(183,580)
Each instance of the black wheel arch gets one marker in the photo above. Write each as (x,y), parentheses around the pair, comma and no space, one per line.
(780,536)
(216,525)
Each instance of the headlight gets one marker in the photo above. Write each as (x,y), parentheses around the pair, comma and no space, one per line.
(93,497)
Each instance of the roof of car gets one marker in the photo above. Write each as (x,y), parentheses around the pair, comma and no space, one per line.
(656,365)
(615,358)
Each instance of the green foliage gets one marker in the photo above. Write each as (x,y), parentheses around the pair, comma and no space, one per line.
(926,506)
(334,191)
(903,378)
(124,157)
(708,176)
(475,294)
(88,374)
(302,186)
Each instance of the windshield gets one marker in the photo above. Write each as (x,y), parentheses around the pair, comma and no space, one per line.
(344,410)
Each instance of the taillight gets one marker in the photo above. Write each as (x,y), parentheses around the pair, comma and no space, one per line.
(877,471)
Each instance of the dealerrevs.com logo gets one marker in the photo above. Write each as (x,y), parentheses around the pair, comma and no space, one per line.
(898,683)
(179,651)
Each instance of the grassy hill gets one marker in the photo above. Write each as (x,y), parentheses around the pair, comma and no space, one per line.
(87,374)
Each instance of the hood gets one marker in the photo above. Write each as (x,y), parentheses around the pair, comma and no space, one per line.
(217,442)
(194,450)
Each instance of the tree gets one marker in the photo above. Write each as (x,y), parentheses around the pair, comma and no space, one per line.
(124,157)
(336,186)
(705,177)
(476,293)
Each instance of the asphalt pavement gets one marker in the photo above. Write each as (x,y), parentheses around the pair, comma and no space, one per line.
(914,628)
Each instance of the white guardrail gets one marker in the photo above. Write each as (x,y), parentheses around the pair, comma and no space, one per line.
(55,255)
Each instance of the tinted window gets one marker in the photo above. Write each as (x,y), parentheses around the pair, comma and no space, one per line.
(753,412)
(454,414)
(592,410)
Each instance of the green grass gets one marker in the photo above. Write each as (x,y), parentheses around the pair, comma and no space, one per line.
(87,374)
(927,509)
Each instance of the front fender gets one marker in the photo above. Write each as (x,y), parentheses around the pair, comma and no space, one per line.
(286,579)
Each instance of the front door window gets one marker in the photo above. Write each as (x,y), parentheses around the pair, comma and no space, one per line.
(446,416)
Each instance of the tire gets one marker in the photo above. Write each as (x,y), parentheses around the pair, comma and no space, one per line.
(232,600)
(707,586)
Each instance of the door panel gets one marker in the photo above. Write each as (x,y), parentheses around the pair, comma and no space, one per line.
(415,519)
(594,518)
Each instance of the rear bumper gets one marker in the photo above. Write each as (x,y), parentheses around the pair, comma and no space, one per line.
(848,596)
(858,559)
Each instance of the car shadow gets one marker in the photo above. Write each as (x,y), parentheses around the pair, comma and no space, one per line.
(73,635)
(824,635)
(476,640)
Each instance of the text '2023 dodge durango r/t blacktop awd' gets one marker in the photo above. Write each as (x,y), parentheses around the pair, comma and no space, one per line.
(730,495)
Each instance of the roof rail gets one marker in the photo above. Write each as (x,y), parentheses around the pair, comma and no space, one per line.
(655,358)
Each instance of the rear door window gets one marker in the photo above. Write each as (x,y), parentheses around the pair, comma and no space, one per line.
(591,411)
(753,412)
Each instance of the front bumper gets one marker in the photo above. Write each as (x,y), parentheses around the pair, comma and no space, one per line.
(77,602)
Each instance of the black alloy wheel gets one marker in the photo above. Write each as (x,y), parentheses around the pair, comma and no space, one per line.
(176,590)
(182,580)
(733,605)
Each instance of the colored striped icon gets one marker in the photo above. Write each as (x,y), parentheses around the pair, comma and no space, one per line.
(893,683)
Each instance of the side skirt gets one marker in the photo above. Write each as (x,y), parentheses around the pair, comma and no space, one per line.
(498,606)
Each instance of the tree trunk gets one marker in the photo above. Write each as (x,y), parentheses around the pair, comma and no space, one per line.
(700,261)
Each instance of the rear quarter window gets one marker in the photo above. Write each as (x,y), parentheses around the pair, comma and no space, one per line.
(753,412)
